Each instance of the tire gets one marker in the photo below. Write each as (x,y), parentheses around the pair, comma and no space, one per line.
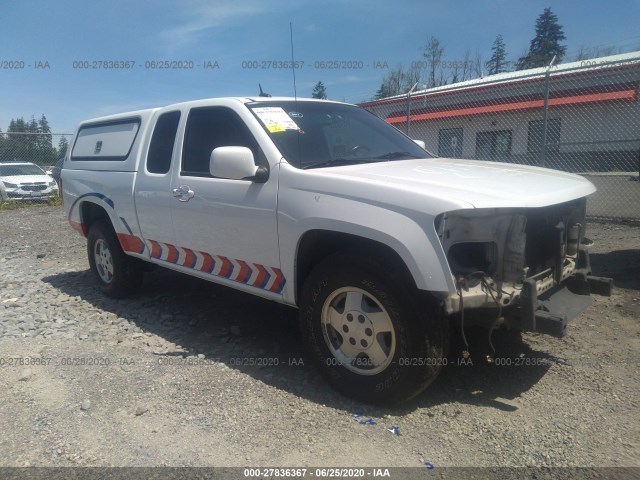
(370,332)
(117,274)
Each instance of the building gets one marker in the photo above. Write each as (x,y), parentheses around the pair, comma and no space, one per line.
(592,121)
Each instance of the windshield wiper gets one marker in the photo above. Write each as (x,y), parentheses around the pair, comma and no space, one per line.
(396,155)
(336,162)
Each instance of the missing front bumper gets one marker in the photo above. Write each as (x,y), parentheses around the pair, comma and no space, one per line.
(550,312)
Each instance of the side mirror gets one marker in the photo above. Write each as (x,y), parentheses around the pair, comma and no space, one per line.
(421,144)
(236,163)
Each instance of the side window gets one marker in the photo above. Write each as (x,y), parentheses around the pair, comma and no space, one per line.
(209,128)
(161,147)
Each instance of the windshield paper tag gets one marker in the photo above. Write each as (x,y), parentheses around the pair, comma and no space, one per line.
(275,127)
(275,119)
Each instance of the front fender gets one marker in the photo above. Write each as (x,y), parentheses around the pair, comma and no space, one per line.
(414,240)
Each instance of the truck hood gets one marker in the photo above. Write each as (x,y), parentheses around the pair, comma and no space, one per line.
(481,184)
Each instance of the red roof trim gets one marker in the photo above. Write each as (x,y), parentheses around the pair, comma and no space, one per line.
(622,95)
(501,84)
(515,98)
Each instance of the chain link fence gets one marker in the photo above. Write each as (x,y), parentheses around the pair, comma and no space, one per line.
(30,168)
(581,117)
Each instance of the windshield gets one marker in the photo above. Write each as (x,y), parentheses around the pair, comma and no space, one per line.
(20,169)
(316,134)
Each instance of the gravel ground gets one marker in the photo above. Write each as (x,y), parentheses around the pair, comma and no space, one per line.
(187,373)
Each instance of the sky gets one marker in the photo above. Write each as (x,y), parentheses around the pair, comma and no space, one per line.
(50,52)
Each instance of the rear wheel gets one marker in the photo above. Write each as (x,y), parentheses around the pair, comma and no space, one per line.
(118,275)
(368,331)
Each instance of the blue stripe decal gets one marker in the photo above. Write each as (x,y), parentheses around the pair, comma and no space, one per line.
(102,197)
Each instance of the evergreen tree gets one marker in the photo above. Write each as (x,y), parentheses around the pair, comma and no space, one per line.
(498,61)
(44,141)
(545,44)
(319,91)
(63,145)
(33,127)
(16,145)
(29,142)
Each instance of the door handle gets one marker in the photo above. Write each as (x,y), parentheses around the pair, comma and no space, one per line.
(183,193)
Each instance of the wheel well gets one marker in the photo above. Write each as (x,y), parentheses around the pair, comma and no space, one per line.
(316,245)
(91,213)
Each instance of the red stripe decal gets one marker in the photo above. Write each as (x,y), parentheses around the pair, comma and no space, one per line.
(263,277)
(227,267)
(156,250)
(130,243)
(278,283)
(189,258)
(207,263)
(172,256)
(245,272)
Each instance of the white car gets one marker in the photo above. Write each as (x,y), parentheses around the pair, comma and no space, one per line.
(25,181)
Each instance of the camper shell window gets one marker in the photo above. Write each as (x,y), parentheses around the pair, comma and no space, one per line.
(106,140)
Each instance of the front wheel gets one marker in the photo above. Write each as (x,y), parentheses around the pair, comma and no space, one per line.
(118,275)
(369,332)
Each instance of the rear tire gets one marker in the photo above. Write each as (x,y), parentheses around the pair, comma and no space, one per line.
(117,274)
(369,332)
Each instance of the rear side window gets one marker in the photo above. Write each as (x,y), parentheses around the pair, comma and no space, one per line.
(161,147)
(106,140)
(209,128)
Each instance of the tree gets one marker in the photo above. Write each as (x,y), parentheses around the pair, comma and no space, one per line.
(585,53)
(498,61)
(433,53)
(63,145)
(476,65)
(546,43)
(29,141)
(319,91)
(45,140)
(462,70)
(397,81)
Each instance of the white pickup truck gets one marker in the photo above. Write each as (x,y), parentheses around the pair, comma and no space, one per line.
(323,206)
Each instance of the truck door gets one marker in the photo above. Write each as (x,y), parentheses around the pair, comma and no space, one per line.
(153,187)
(225,228)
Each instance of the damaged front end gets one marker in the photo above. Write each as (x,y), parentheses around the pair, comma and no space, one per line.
(525,268)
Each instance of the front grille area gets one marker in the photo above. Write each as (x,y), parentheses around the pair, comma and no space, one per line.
(547,230)
(34,187)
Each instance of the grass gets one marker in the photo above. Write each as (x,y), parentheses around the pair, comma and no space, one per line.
(16,204)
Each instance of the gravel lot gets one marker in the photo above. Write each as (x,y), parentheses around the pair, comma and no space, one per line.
(174,376)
